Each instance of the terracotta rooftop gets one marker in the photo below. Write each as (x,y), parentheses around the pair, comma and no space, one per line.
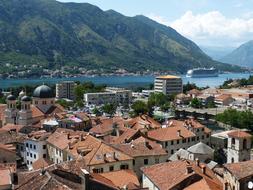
(170,133)
(94,151)
(239,134)
(126,136)
(175,175)
(38,135)
(41,163)
(241,169)
(194,91)
(141,147)
(143,122)
(223,97)
(105,126)
(5,177)
(120,178)
(12,127)
(62,137)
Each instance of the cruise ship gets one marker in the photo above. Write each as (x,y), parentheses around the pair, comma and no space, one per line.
(202,72)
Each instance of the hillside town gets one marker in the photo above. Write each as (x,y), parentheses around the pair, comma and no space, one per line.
(44,145)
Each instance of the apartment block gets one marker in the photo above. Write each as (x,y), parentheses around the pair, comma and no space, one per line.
(65,90)
(168,84)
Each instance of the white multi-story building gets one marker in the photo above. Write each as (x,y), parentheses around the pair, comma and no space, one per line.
(65,89)
(110,96)
(35,147)
(168,84)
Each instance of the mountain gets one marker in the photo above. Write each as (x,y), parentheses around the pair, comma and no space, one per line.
(46,34)
(242,56)
(216,53)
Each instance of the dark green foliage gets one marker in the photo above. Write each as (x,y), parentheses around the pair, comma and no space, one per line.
(87,87)
(157,99)
(189,86)
(65,103)
(239,119)
(109,109)
(51,35)
(241,82)
(196,103)
(139,108)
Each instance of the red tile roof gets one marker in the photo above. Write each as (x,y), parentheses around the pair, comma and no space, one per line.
(170,175)
(5,177)
(142,122)
(120,178)
(170,133)
(239,134)
(41,163)
(241,169)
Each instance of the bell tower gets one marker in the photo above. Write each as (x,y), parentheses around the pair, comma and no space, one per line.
(239,146)
(11,110)
(25,114)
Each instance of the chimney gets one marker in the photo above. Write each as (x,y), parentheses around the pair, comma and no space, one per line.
(203,168)
(188,169)
(178,133)
(115,157)
(68,136)
(197,162)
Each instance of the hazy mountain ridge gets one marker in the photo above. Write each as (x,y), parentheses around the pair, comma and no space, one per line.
(53,34)
(242,56)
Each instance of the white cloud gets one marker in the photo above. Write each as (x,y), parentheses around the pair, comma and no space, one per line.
(212,28)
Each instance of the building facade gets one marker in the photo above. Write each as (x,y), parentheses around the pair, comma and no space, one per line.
(168,85)
(65,90)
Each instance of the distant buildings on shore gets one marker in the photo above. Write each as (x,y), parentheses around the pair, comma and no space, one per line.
(65,90)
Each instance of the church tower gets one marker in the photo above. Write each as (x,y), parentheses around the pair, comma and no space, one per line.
(11,110)
(25,114)
(239,146)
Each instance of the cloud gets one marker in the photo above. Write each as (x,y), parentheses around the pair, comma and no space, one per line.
(213,28)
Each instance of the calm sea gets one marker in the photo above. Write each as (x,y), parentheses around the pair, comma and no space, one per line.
(123,81)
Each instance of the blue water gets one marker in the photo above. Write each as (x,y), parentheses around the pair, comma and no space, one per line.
(123,81)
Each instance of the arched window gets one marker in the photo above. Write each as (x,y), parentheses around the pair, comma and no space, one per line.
(244,144)
(232,160)
(233,141)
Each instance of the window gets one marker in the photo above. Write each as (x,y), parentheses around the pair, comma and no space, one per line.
(31,155)
(57,151)
(197,130)
(60,152)
(233,141)
(44,156)
(207,136)
(172,151)
(166,144)
(31,162)
(98,170)
(197,138)
(27,154)
(27,162)
(203,136)
(184,140)
(124,167)
(26,145)
(177,141)
(34,147)
(146,161)
(111,168)
(193,138)
(232,160)
(133,162)
(172,142)
(189,139)
(44,146)
(202,129)
(157,160)
(34,156)
(31,146)
(21,148)
(244,144)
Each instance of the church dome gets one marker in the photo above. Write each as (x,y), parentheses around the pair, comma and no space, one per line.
(43,91)
(11,97)
(26,99)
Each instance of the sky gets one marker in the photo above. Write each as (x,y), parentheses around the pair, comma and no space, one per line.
(214,23)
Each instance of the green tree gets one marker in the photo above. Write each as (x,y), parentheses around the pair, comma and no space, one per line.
(96,111)
(139,107)
(157,99)
(109,109)
(196,103)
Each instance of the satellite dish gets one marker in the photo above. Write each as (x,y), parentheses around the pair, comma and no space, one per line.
(250,185)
